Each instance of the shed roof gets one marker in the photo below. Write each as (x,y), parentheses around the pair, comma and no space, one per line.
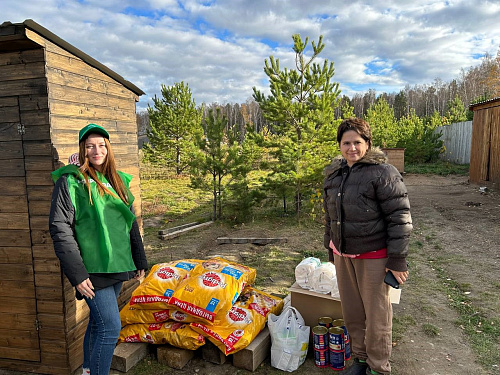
(494,101)
(32,25)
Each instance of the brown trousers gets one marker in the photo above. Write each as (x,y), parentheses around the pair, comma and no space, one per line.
(367,309)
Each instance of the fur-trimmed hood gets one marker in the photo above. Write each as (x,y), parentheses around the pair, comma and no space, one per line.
(373,156)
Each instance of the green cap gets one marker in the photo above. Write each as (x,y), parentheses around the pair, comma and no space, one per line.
(92,128)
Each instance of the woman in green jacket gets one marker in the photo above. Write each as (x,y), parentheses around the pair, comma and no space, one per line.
(96,239)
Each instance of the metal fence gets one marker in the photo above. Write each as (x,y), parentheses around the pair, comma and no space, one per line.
(457,141)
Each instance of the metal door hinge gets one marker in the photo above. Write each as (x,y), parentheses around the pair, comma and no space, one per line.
(37,325)
(21,129)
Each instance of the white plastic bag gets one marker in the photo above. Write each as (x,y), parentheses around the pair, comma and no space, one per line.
(324,280)
(304,270)
(289,339)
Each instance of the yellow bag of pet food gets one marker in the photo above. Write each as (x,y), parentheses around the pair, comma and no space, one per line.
(180,335)
(161,282)
(244,321)
(212,288)
(131,315)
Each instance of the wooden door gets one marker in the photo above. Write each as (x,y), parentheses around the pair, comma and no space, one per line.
(19,337)
(494,168)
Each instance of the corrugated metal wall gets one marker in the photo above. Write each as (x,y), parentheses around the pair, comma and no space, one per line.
(457,141)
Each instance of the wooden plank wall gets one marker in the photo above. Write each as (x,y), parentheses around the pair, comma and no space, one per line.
(77,95)
(479,157)
(485,147)
(494,170)
(23,77)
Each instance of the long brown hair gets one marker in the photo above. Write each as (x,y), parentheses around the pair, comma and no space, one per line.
(108,170)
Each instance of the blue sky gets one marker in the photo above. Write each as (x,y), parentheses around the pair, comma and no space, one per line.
(218,47)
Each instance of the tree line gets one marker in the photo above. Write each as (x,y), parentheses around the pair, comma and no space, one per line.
(288,136)
(475,84)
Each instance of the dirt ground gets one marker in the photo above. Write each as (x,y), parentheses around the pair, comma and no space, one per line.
(458,225)
(456,229)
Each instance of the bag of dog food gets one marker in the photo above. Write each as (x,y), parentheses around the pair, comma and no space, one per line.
(212,288)
(180,335)
(244,321)
(155,291)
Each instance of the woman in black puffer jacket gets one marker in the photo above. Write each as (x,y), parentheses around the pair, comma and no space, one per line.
(367,230)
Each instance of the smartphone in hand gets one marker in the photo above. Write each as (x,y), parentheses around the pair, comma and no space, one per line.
(391,280)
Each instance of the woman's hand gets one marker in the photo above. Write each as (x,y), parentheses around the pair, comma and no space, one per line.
(400,276)
(86,288)
(139,274)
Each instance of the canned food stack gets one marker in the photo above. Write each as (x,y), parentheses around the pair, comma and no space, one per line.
(331,344)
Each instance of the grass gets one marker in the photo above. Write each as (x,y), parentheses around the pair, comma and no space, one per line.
(442,168)
(430,329)
(169,196)
(483,333)
(400,324)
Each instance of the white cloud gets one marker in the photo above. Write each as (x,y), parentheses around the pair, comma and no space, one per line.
(218,47)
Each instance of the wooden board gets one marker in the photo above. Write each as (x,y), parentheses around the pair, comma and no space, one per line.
(22,71)
(11,150)
(253,240)
(175,229)
(12,168)
(10,220)
(16,255)
(127,355)
(211,353)
(33,102)
(22,57)
(182,231)
(174,357)
(254,354)
(37,86)
(19,238)
(14,204)
(75,95)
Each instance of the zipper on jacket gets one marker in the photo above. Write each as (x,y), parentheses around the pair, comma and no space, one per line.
(344,174)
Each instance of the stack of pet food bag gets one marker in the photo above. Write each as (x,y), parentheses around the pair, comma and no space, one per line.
(183,302)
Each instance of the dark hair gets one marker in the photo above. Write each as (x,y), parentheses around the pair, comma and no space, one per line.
(358,125)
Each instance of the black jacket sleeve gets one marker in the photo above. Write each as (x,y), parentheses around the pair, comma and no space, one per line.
(326,236)
(61,227)
(138,254)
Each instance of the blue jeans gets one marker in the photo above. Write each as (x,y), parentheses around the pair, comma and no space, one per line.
(103,330)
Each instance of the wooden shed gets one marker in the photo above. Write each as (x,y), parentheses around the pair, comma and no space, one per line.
(48,91)
(396,156)
(485,143)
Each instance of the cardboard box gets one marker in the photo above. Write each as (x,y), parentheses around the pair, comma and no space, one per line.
(313,306)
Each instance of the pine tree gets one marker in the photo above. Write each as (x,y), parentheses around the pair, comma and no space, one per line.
(383,124)
(218,154)
(301,109)
(456,110)
(175,121)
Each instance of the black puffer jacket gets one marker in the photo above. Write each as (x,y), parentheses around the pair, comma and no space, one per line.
(367,208)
